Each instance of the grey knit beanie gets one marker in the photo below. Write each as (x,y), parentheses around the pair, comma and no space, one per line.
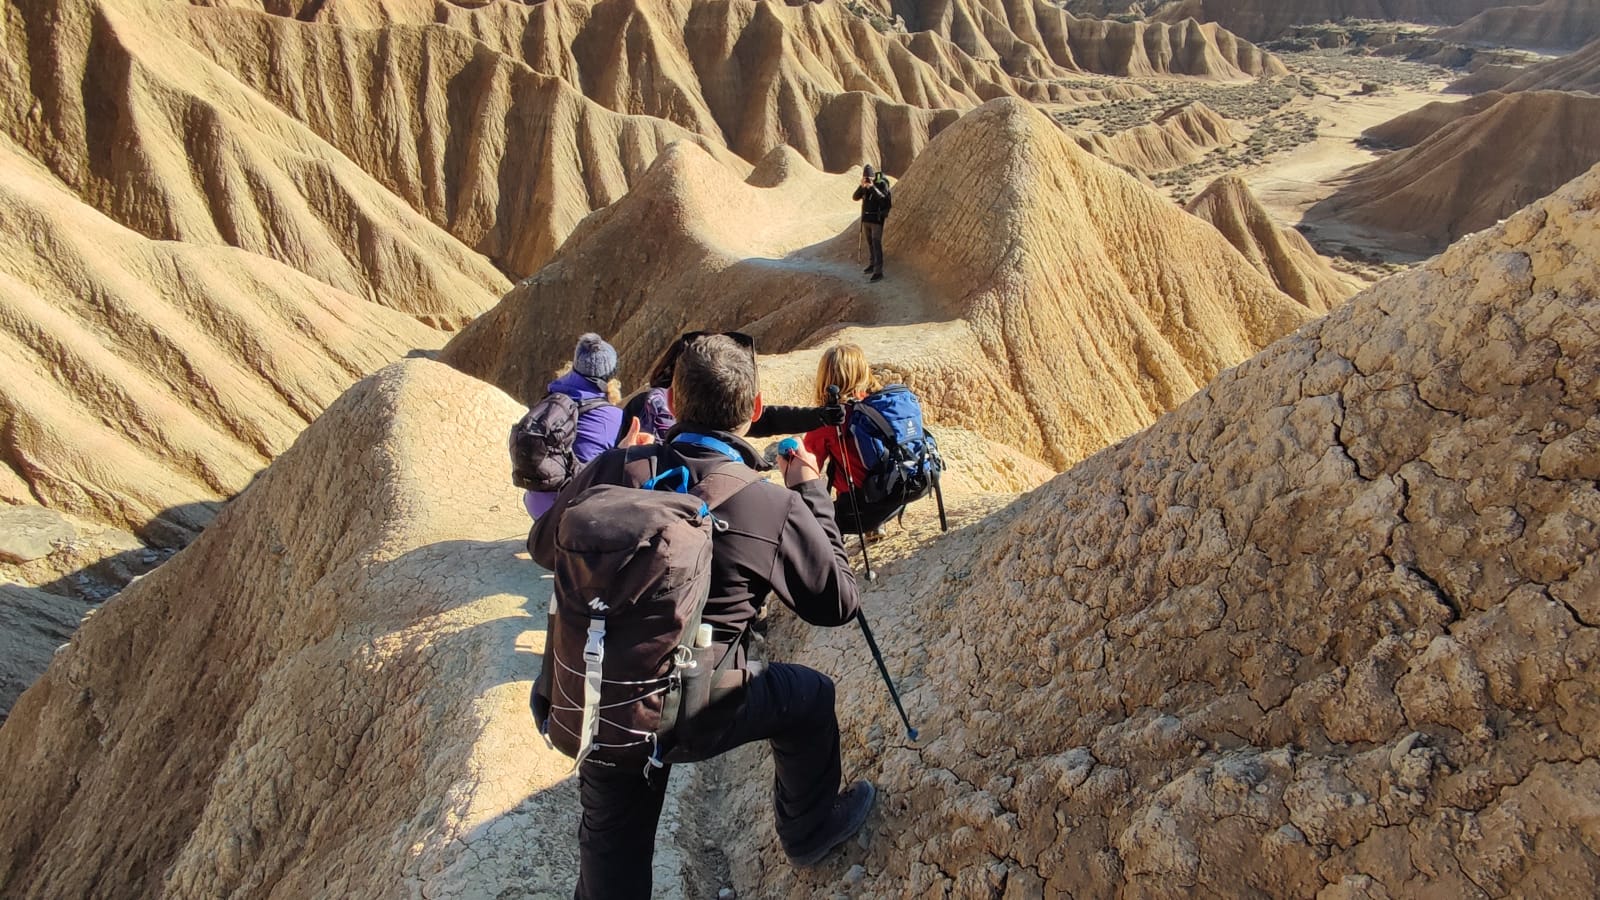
(594,357)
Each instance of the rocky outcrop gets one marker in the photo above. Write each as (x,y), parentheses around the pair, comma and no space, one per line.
(1035,294)
(1277,251)
(1176,138)
(146,381)
(1550,25)
(1473,172)
(1327,630)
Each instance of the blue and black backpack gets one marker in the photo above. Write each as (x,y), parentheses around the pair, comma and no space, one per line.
(900,455)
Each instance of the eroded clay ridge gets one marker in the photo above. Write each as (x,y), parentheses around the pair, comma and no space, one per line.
(143,382)
(1263,20)
(1037,39)
(1029,40)
(1035,294)
(1472,172)
(324,695)
(1277,251)
(1179,136)
(153,134)
(1330,629)
(1578,71)
(1550,25)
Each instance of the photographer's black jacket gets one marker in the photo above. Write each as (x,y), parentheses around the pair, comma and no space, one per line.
(874,201)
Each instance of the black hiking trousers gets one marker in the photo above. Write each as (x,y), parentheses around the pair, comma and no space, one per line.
(790,707)
(874,234)
(872,517)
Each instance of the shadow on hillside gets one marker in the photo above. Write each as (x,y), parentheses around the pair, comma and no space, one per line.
(82,572)
(91,567)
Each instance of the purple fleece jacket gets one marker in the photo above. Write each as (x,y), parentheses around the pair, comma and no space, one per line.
(597,432)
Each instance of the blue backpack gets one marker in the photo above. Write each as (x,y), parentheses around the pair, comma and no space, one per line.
(900,455)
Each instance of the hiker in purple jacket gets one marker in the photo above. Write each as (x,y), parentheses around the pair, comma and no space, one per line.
(591,376)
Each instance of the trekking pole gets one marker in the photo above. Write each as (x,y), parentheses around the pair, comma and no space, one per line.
(849,480)
(884,671)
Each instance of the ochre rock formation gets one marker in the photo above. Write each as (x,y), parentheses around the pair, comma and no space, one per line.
(1329,629)
(1277,251)
(1550,25)
(145,381)
(1263,20)
(1035,294)
(1176,138)
(1473,172)
(324,695)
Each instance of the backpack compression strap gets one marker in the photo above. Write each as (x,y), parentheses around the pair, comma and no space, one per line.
(594,653)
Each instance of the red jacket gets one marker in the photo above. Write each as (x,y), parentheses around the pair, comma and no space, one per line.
(824,444)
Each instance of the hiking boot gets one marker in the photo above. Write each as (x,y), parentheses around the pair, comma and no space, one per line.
(867,271)
(876,535)
(876,276)
(849,813)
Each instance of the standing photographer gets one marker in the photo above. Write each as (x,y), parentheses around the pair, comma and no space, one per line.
(875,200)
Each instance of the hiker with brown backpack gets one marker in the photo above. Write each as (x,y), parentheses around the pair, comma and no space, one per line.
(662,555)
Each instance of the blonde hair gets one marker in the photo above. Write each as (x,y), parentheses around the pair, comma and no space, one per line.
(844,365)
(613,387)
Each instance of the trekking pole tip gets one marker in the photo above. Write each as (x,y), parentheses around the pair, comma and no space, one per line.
(911,733)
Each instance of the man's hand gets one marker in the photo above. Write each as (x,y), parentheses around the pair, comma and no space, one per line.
(799,467)
(832,415)
(634,439)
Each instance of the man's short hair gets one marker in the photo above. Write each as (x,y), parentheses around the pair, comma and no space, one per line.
(714,384)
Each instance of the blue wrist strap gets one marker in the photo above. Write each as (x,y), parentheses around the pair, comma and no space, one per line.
(706,440)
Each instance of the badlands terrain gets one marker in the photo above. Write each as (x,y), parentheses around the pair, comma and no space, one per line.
(1261,338)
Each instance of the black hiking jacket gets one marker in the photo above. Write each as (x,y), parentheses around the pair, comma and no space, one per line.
(778,539)
(874,201)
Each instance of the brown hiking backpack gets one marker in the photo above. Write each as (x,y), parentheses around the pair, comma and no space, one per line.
(622,671)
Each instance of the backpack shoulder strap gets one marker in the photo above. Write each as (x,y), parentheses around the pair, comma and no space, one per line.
(720,484)
(641,463)
(587,405)
(877,419)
